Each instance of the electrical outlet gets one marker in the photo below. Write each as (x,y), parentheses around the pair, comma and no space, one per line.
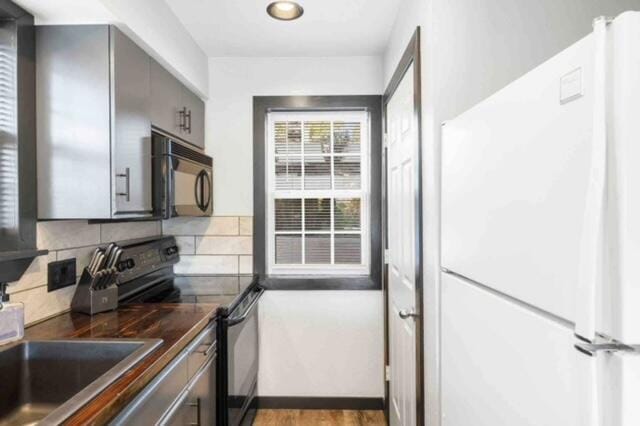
(61,274)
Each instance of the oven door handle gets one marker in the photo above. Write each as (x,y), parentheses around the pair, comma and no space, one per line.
(235,321)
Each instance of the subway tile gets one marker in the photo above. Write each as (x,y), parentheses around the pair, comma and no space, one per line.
(35,275)
(82,255)
(40,304)
(128,230)
(246,225)
(194,285)
(199,265)
(224,245)
(215,225)
(246,264)
(186,245)
(63,234)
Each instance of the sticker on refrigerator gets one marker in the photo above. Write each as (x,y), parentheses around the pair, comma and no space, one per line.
(571,86)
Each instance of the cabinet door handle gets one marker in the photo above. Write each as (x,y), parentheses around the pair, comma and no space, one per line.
(206,352)
(183,119)
(196,405)
(189,125)
(127,176)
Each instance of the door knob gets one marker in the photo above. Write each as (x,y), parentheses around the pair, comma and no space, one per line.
(404,314)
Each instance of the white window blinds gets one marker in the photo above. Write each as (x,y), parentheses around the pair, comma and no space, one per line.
(317,180)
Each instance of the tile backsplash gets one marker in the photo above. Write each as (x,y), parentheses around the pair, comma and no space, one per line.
(64,240)
(213,245)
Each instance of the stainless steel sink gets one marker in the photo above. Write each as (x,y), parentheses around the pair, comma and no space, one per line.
(45,381)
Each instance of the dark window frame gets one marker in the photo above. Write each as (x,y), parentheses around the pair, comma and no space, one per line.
(263,105)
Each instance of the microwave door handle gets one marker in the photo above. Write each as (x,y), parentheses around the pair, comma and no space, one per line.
(206,190)
(169,188)
(198,190)
(235,321)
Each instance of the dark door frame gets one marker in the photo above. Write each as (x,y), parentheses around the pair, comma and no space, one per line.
(410,57)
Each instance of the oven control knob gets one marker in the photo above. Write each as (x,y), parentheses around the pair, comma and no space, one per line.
(130,263)
(171,250)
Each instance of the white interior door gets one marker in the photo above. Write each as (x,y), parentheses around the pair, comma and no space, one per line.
(402,170)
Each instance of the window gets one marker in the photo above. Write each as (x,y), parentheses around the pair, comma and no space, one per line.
(317,193)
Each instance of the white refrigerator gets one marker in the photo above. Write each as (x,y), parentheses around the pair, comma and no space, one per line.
(541,243)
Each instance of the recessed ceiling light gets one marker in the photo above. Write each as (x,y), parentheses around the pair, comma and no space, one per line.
(285,10)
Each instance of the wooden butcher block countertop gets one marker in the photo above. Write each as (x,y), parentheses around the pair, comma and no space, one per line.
(175,324)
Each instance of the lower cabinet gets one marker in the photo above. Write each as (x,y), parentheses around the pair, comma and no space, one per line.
(184,393)
(197,406)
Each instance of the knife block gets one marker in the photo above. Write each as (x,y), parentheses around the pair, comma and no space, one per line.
(88,300)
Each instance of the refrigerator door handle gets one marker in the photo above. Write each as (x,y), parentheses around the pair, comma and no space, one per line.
(607,384)
(592,349)
(591,272)
(587,389)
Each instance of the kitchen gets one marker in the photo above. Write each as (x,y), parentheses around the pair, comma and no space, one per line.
(236,113)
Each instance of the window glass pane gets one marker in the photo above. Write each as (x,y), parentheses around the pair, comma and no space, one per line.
(288,249)
(347,214)
(317,158)
(347,172)
(346,137)
(288,173)
(317,172)
(317,249)
(317,137)
(348,249)
(288,137)
(317,214)
(288,214)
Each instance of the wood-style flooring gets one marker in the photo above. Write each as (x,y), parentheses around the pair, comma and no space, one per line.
(319,418)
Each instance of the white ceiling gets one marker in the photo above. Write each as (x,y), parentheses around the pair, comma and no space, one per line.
(327,28)
(67,11)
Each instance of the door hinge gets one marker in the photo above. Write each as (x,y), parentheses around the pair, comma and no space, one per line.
(386,257)
(387,373)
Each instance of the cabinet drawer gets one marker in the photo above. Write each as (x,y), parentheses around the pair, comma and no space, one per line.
(201,349)
(149,407)
(197,404)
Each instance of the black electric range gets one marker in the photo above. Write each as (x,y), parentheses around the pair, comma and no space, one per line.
(147,276)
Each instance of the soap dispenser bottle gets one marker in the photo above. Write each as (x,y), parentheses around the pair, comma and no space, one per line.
(11,318)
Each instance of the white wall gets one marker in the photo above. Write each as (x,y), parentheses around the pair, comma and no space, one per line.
(149,22)
(313,343)
(152,23)
(470,50)
(321,344)
(234,82)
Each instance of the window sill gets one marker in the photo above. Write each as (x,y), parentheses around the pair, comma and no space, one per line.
(282,282)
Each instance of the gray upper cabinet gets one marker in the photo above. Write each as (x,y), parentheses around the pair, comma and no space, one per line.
(166,93)
(131,125)
(93,123)
(175,109)
(194,131)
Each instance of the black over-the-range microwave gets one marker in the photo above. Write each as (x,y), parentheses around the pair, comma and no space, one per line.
(182,179)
